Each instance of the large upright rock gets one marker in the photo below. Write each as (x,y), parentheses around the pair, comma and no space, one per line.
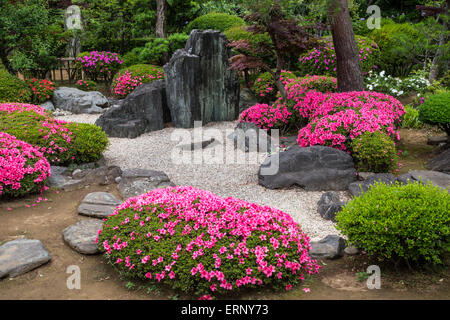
(78,101)
(200,86)
(142,111)
(441,162)
(313,168)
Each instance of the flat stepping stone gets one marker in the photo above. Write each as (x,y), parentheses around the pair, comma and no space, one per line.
(135,182)
(81,236)
(358,188)
(98,205)
(20,256)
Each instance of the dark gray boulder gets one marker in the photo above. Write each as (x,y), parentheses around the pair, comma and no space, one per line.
(79,101)
(330,247)
(329,204)
(358,188)
(200,86)
(246,99)
(143,110)
(20,256)
(313,168)
(439,179)
(441,162)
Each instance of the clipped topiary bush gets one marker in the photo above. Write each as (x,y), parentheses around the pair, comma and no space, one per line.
(89,142)
(215,21)
(197,242)
(86,85)
(400,46)
(12,89)
(374,152)
(23,168)
(61,142)
(126,80)
(436,111)
(409,222)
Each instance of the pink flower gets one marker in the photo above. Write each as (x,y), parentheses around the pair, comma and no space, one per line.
(306,290)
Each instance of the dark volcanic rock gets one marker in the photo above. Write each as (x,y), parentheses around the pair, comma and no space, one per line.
(313,168)
(357,188)
(441,162)
(142,111)
(330,247)
(135,182)
(329,204)
(200,86)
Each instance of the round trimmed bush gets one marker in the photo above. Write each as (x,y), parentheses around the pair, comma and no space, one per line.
(127,79)
(88,143)
(23,168)
(215,21)
(198,242)
(436,111)
(12,89)
(86,85)
(374,152)
(409,222)
(322,84)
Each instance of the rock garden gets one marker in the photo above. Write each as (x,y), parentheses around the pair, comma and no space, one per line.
(240,157)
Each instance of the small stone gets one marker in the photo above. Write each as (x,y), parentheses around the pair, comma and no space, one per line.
(329,204)
(118,179)
(437,140)
(358,188)
(20,256)
(330,247)
(139,181)
(364,175)
(351,250)
(71,185)
(81,236)
(75,172)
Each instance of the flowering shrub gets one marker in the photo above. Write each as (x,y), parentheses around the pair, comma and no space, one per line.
(265,88)
(33,124)
(322,60)
(336,119)
(23,168)
(396,87)
(99,64)
(61,142)
(195,241)
(86,85)
(399,222)
(318,83)
(130,78)
(41,90)
(374,152)
(266,116)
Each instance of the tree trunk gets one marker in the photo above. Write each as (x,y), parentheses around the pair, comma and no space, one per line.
(161,9)
(435,65)
(349,72)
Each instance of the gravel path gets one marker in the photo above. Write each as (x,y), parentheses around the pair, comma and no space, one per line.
(154,151)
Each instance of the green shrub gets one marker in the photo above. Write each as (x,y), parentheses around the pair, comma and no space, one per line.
(88,141)
(409,222)
(215,21)
(360,26)
(410,120)
(436,110)
(177,41)
(12,89)
(265,88)
(132,57)
(374,152)
(87,85)
(445,81)
(154,51)
(318,83)
(400,45)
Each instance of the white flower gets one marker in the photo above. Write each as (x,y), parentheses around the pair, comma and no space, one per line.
(382,73)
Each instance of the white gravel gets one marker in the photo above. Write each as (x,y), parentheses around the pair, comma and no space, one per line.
(154,151)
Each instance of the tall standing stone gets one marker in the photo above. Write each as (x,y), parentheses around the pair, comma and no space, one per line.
(200,86)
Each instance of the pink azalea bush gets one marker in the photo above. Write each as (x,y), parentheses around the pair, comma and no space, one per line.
(198,242)
(336,119)
(99,64)
(23,168)
(34,125)
(129,79)
(322,60)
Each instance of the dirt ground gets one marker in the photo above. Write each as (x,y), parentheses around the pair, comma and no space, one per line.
(46,220)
